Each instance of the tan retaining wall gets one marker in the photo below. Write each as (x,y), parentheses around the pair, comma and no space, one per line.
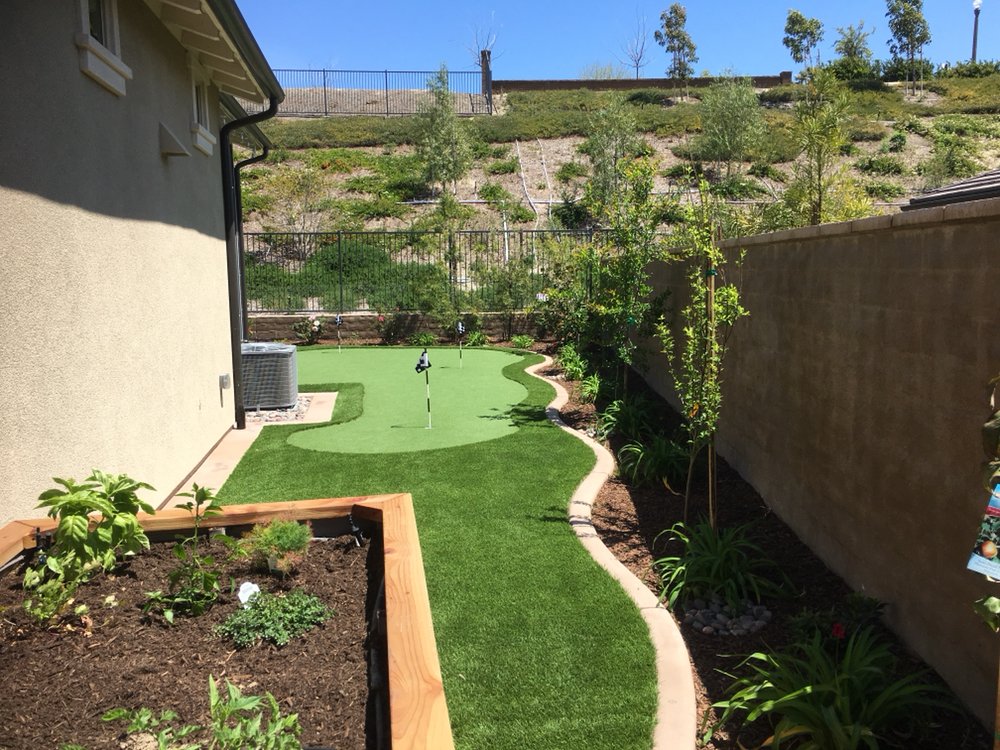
(854,397)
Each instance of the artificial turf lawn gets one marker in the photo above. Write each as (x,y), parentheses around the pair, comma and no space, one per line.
(469,402)
(539,647)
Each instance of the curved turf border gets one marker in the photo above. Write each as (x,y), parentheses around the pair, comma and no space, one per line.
(676,718)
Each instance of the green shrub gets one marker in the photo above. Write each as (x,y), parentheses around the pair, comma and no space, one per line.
(422,339)
(861,130)
(573,365)
(985,126)
(274,618)
(518,213)
(849,149)
(765,171)
(724,562)
(278,545)
(590,388)
(476,338)
(522,341)
(654,97)
(507,166)
(654,460)
(884,190)
(494,192)
(880,164)
(737,188)
(784,94)
(570,171)
(841,701)
(688,172)
(628,417)
(896,142)
(969,69)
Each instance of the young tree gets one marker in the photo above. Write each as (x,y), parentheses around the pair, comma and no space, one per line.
(821,191)
(855,61)
(910,32)
(612,140)
(802,36)
(623,297)
(673,37)
(635,48)
(732,125)
(708,322)
(442,145)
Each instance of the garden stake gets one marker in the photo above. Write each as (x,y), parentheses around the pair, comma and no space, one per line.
(423,365)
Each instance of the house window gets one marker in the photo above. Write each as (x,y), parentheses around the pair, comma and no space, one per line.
(201,133)
(99,45)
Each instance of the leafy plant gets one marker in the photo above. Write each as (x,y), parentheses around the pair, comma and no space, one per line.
(97,522)
(194,584)
(506,166)
(839,701)
(278,545)
(724,562)
(628,417)
(590,388)
(880,164)
(238,722)
(570,170)
(656,459)
(476,338)
(274,618)
(573,365)
(160,727)
(522,341)
(884,189)
(442,143)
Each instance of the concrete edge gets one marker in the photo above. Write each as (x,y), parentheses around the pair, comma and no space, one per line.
(676,715)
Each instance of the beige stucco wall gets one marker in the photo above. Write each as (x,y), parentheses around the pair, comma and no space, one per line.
(114,324)
(854,396)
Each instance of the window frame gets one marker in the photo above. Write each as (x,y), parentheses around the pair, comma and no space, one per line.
(101,60)
(201,113)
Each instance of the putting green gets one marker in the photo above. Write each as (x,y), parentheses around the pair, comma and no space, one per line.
(470,403)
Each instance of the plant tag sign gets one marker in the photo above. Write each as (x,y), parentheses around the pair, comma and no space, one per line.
(985,556)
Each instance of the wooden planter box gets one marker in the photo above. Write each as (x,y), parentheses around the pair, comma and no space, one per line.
(418,713)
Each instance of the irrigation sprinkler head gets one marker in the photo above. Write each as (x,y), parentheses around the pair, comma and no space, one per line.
(423,363)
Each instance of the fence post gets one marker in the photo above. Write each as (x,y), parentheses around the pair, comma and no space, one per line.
(340,271)
(486,78)
(326,109)
(387,93)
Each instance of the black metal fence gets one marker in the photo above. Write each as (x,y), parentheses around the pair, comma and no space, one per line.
(489,271)
(321,93)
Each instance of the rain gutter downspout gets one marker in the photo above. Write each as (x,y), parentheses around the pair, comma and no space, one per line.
(231,217)
(244,322)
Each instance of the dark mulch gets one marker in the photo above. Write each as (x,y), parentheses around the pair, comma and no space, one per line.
(629,519)
(57,684)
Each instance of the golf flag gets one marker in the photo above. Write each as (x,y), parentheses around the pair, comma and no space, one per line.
(423,363)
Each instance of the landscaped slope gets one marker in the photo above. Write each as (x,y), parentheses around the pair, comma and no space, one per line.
(362,173)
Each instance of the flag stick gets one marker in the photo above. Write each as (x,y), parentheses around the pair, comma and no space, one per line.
(427,376)
(460,354)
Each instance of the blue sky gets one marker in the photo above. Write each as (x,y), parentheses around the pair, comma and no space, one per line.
(555,39)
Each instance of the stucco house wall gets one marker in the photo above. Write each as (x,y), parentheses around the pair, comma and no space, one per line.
(854,395)
(114,324)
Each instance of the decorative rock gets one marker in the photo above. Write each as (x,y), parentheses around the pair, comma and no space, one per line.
(738,631)
(724,619)
(715,607)
(708,630)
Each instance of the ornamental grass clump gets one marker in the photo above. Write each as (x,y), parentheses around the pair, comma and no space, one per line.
(845,700)
(279,545)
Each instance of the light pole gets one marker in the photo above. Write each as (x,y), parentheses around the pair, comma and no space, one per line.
(976,5)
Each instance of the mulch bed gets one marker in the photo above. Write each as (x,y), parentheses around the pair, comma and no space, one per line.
(629,519)
(57,684)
